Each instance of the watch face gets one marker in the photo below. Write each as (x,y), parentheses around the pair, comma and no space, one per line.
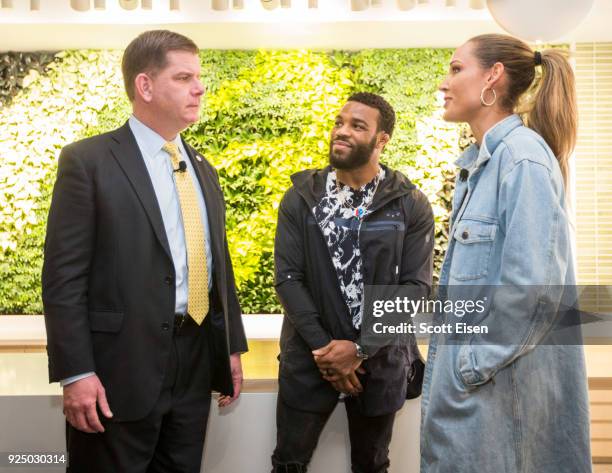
(360,353)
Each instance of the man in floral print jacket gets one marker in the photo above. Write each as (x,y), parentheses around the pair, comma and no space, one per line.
(354,223)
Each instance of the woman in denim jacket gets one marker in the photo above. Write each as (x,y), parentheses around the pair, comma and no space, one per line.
(513,400)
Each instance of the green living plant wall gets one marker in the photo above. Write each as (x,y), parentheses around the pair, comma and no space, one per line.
(14,67)
(266,115)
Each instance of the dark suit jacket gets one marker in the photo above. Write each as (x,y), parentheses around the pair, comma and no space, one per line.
(108,277)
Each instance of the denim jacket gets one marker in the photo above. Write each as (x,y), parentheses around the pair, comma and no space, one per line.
(519,406)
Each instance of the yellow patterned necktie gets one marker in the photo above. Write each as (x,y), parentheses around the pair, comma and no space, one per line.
(197,301)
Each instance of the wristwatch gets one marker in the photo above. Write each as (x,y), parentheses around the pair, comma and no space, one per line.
(361,354)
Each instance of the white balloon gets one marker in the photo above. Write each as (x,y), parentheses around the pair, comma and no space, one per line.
(539,20)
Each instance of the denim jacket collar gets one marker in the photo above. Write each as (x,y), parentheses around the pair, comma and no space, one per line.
(474,157)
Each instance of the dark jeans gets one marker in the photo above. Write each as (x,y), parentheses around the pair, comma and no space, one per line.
(298,433)
(170,439)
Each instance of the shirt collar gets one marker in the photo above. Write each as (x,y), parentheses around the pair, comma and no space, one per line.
(475,156)
(379,177)
(150,141)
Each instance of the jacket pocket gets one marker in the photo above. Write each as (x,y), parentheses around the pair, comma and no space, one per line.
(100,321)
(385,240)
(473,246)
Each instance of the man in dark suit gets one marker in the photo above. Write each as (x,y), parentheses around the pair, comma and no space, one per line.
(140,304)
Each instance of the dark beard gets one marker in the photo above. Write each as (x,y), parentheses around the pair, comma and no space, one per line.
(358,156)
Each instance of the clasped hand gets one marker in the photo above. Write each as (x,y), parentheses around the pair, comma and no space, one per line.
(338,363)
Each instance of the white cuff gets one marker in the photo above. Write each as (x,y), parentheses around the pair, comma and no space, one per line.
(72,379)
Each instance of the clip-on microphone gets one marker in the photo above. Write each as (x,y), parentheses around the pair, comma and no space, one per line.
(182,167)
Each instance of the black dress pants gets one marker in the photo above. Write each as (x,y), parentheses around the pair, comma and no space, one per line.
(298,433)
(170,439)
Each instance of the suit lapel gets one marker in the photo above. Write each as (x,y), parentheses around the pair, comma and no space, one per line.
(125,150)
(214,204)
(213,197)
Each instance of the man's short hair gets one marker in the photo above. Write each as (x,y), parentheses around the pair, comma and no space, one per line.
(147,53)
(386,114)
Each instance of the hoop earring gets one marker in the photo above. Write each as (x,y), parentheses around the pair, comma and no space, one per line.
(482,100)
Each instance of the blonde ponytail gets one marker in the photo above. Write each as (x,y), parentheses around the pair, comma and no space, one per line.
(547,101)
(554,112)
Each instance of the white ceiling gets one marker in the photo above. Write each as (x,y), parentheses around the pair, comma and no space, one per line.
(331,25)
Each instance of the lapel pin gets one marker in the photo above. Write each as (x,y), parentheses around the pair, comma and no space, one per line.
(198,157)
